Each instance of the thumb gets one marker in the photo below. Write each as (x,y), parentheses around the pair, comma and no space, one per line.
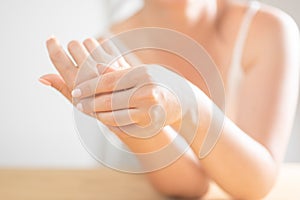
(58,83)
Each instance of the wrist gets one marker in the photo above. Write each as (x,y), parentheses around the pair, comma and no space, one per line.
(142,145)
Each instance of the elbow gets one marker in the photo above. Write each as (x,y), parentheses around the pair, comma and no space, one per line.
(258,188)
(253,193)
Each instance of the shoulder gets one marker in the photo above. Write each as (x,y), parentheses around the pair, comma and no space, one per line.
(272,22)
(273,33)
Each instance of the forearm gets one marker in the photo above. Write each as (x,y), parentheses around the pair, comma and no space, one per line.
(238,163)
(184,177)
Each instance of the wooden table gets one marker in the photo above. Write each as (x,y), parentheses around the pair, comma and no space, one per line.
(107,184)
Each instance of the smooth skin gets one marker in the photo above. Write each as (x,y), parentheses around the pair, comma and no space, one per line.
(246,159)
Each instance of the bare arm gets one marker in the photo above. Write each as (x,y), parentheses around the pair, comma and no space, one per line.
(184,177)
(246,158)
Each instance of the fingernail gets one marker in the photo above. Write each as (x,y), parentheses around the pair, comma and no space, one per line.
(51,37)
(45,82)
(76,93)
(79,107)
(52,42)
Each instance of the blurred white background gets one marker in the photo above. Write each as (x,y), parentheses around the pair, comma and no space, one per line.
(36,123)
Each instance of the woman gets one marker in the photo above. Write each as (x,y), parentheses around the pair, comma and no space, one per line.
(256,40)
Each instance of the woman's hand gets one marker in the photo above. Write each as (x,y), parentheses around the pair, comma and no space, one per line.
(90,60)
(139,99)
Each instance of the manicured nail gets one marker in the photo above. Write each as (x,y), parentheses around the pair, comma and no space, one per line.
(76,93)
(79,107)
(45,82)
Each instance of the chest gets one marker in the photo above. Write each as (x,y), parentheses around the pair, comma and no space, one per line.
(217,51)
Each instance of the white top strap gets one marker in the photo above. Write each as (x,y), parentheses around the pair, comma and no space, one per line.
(243,32)
(235,73)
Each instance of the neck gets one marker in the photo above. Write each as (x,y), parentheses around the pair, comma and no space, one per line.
(181,14)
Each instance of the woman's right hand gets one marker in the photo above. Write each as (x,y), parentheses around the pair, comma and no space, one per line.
(90,61)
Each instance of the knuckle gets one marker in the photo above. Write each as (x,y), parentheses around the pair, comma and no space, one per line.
(88,105)
(132,76)
(146,73)
(133,98)
(154,94)
(145,95)
(107,103)
(57,55)
(87,89)
(109,120)
(147,76)
(107,81)
(143,119)
(91,87)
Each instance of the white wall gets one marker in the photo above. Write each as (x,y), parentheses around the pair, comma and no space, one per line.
(36,125)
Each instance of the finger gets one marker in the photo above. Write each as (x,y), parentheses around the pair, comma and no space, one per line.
(114,51)
(87,65)
(142,97)
(108,102)
(90,44)
(87,71)
(120,117)
(110,47)
(97,52)
(93,48)
(114,81)
(61,61)
(103,68)
(58,83)
(78,52)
